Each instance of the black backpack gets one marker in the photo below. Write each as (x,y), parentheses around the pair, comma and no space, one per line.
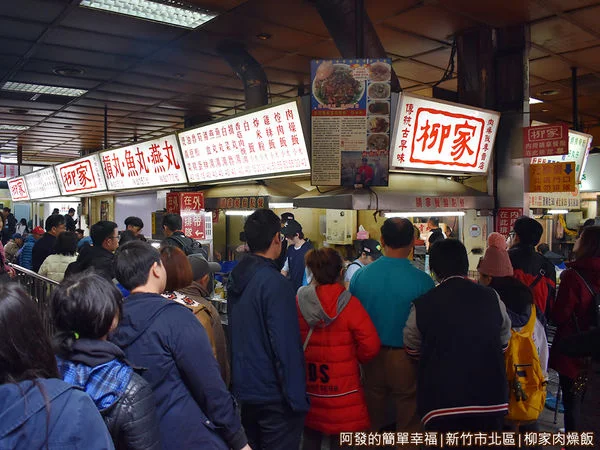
(189,246)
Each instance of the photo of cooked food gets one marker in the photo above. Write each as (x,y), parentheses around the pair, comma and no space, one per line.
(335,86)
(380,71)
(379,90)
(378,142)
(379,124)
(379,108)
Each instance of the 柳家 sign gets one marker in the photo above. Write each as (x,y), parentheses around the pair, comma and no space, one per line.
(82,176)
(545,140)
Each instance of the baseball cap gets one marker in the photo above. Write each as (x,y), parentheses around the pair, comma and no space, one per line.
(17,236)
(38,230)
(201,267)
(371,247)
(287,216)
(291,228)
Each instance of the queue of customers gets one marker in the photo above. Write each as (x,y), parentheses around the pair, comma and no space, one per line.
(135,331)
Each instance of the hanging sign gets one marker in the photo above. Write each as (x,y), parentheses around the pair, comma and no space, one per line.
(42,184)
(250,202)
(506,218)
(8,171)
(557,177)
(350,102)
(152,163)
(555,200)
(193,215)
(546,140)
(18,189)
(268,141)
(177,200)
(82,176)
(436,136)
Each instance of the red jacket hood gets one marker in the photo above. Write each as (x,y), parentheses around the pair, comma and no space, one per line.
(322,304)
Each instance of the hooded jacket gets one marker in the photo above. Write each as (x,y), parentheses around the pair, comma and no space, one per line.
(267,359)
(98,258)
(574,300)
(25,258)
(123,397)
(194,408)
(343,337)
(52,412)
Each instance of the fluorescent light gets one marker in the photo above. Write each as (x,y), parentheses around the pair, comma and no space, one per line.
(42,89)
(179,16)
(281,205)
(14,127)
(534,101)
(558,211)
(238,212)
(425,214)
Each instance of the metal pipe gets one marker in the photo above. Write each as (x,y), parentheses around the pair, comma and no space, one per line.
(574,94)
(105,126)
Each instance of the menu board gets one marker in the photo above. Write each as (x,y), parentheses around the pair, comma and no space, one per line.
(42,184)
(437,136)
(18,189)
(82,176)
(350,103)
(152,163)
(263,142)
(579,148)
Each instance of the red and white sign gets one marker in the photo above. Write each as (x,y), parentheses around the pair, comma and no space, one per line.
(439,202)
(268,141)
(42,184)
(18,189)
(546,140)
(8,171)
(152,163)
(506,218)
(433,135)
(193,214)
(82,176)
(190,200)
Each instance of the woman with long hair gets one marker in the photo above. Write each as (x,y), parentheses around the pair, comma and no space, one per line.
(575,312)
(38,410)
(338,335)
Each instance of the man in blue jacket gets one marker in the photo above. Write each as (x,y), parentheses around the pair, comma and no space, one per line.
(193,406)
(267,358)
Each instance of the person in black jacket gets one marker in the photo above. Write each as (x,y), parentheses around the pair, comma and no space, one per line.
(85,310)
(10,225)
(44,247)
(172,225)
(70,223)
(433,224)
(99,256)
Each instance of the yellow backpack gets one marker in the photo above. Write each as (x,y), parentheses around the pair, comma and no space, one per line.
(526,380)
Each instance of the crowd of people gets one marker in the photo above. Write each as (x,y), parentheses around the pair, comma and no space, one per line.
(139,358)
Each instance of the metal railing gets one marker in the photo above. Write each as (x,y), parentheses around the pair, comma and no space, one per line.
(39,288)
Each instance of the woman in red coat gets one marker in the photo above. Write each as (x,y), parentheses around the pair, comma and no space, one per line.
(338,335)
(572,313)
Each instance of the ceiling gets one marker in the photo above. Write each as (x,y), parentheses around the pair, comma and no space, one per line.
(151,76)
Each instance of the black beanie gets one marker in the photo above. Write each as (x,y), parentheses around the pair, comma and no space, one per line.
(529,230)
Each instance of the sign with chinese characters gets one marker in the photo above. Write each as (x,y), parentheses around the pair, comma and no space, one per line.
(82,176)
(555,200)
(152,163)
(546,140)
(243,202)
(193,215)
(433,135)
(18,189)
(440,202)
(8,171)
(259,143)
(42,184)
(557,177)
(506,218)
(177,200)
(350,120)
(579,148)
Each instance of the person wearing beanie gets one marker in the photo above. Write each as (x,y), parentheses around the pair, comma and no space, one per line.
(533,269)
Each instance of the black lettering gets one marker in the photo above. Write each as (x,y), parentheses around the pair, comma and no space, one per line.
(312,372)
(323,370)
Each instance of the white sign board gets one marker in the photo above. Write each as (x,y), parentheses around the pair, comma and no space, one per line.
(264,142)
(152,163)
(82,176)
(554,200)
(18,189)
(437,136)
(8,171)
(42,184)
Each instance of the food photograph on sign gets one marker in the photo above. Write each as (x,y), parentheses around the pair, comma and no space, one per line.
(436,136)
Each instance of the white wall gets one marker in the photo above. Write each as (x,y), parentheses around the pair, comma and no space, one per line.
(139,205)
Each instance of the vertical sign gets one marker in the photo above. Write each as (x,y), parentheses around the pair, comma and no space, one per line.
(18,189)
(546,140)
(506,218)
(350,105)
(8,171)
(193,214)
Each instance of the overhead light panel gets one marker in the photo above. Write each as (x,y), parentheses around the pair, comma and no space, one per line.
(558,211)
(425,214)
(170,12)
(238,212)
(42,89)
(14,127)
(276,205)
(534,101)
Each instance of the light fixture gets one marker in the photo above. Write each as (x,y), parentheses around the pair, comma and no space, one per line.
(264,36)
(425,214)
(280,205)
(558,211)
(549,92)
(68,71)
(238,212)
(545,110)
(534,101)
(14,127)
(19,111)
(42,89)
(170,12)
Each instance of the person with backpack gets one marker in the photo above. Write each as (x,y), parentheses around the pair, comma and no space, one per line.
(338,335)
(527,354)
(575,312)
(370,251)
(298,246)
(172,225)
(531,268)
